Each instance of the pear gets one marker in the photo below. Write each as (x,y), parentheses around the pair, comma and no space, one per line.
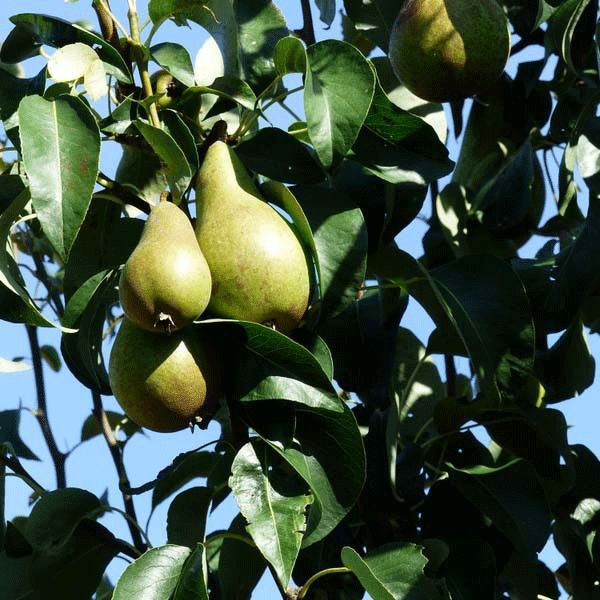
(164,382)
(259,269)
(444,50)
(165,284)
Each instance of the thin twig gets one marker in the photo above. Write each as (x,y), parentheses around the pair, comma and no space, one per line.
(41,413)
(117,456)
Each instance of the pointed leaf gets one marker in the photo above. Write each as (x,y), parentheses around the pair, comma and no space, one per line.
(192,581)
(61,180)
(117,421)
(241,564)
(339,88)
(276,519)
(175,59)
(9,433)
(186,518)
(154,575)
(393,572)
(177,168)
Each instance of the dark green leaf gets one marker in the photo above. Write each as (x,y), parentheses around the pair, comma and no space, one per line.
(328,455)
(141,171)
(192,582)
(57,33)
(154,575)
(57,514)
(394,572)
(411,144)
(86,310)
(278,155)
(568,367)
(261,25)
(182,135)
(176,60)
(338,92)
(184,469)
(61,181)
(241,564)
(481,299)
(9,433)
(512,498)
(51,356)
(177,168)
(341,241)
(186,518)
(375,20)
(276,516)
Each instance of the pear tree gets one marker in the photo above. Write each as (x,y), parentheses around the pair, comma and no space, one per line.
(350,250)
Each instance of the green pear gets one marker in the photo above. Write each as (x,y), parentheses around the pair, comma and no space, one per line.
(444,50)
(165,284)
(259,269)
(164,382)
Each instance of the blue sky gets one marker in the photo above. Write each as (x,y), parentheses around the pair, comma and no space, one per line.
(90,466)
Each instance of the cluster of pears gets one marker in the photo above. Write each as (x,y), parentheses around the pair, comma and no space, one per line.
(444,50)
(241,260)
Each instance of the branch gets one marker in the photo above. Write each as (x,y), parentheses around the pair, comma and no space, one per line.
(41,414)
(117,456)
(120,193)
(307,33)
(450,375)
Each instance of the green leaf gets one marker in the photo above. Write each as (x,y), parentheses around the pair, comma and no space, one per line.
(394,572)
(17,305)
(276,517)
(398,146)
(73,571)
(373,20)
(12,91)
(186,518)
(86,310)
(117,421)
(229,88)
(568,367)
(178,170)
(241,564)
(57,514)
(61,180)
(51,356)
(183,469)
(289,56)
(278,155)
(9,434)
(57,33)
(180,132)
(338,92)
(215,16)
(328,454)
(512,498)
(287,357)
(340,237)
(261,25)
(154,575)
(326,11)
(176,60)
(480,299)
(192,582)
